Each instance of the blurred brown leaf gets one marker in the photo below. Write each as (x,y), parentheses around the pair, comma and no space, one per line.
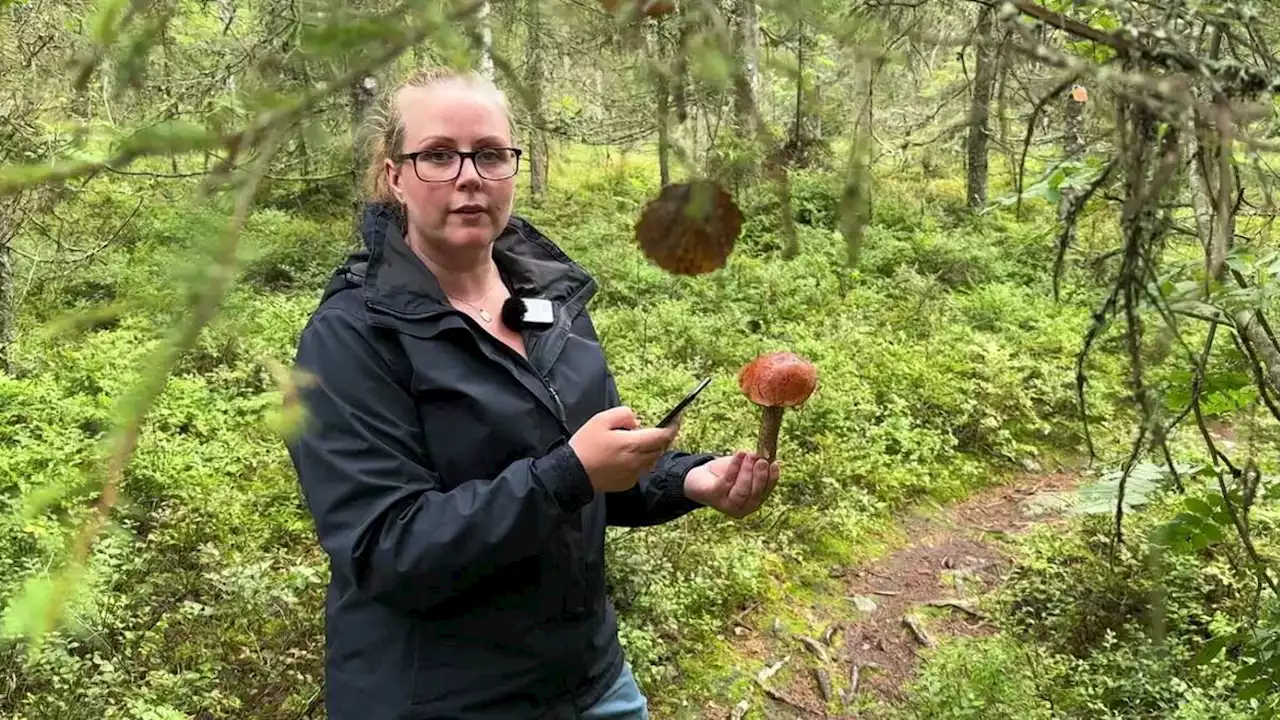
(690,228)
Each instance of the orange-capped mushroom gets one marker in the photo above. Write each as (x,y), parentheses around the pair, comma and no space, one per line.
(776,381)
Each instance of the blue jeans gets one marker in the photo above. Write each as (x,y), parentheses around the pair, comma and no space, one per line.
(622,701)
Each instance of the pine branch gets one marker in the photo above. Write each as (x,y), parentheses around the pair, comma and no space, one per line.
(14,179)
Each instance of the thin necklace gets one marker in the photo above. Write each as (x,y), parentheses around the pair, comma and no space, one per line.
(484,314)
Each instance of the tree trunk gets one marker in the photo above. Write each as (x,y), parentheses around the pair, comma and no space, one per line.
(856,200)
(8,313)
(664,110)
(1216,228)
(486,34)
(362,92)
(817,103)
(980,107)
(1215,224)
(1002,110)
(679,91)
(534,79)
(1072,151)
(796,131)
(1212,196)
(166,76)
(749,51)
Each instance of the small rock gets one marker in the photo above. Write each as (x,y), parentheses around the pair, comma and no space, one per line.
(863,603)
(740,710)
(1031,465)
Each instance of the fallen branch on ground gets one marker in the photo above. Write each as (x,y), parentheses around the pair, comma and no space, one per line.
(787,701)
(772,670)
(815,648)
(963,607)
(917,630)
(824,683)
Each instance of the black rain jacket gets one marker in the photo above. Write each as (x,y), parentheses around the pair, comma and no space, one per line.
(466,544)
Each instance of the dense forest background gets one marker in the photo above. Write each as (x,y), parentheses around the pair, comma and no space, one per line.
(1014,238)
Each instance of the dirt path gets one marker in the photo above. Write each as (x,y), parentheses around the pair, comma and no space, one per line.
(865,644)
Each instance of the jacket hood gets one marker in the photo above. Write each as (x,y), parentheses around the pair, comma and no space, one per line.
(397,280)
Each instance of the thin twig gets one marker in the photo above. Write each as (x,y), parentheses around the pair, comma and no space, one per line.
(1260,567)
(1069,221)
(1196,388)
(1026,141)
(1095,329)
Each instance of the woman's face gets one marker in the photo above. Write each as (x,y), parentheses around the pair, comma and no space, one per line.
(468,212)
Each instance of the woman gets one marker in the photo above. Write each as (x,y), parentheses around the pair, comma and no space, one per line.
(460,472)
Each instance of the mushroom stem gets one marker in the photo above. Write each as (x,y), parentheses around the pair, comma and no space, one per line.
(770,423)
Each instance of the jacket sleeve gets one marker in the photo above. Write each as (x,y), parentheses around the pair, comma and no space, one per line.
(659,495)
(380,511)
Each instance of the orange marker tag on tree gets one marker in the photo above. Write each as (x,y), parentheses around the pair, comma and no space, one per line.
(1079,94)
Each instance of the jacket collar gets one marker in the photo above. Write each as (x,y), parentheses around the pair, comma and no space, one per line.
(397,280)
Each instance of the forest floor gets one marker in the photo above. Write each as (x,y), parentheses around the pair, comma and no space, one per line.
(866,641)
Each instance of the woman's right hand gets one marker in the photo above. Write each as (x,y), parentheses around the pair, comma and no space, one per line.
(615,453)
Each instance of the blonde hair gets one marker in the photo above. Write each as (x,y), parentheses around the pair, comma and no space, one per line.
(385,125)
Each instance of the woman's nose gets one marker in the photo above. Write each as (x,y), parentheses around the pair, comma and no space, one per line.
(468,173)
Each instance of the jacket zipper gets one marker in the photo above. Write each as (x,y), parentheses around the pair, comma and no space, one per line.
(556,396)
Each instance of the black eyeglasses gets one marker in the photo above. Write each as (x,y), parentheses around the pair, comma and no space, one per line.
(443,165)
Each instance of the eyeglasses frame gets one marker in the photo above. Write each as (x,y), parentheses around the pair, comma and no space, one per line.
(463,156)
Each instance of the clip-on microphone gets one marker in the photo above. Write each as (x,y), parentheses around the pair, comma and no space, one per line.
(520,313)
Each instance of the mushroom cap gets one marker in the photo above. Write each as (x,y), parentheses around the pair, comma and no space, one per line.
(690,228)
(778,379)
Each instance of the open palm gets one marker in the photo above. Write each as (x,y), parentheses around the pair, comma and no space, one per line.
(736,484)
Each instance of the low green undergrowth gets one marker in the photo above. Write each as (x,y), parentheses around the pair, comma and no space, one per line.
(1169,624)
(942,362)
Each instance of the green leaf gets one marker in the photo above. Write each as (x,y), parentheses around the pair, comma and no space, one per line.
(1168,535)
(1255,688)
(1212,532)
(1249,672)
(1198,507)
(1212,649)
(1100,497)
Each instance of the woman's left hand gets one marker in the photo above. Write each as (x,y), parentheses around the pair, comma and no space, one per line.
(736,484)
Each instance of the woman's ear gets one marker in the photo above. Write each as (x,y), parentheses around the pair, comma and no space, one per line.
(394,180)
